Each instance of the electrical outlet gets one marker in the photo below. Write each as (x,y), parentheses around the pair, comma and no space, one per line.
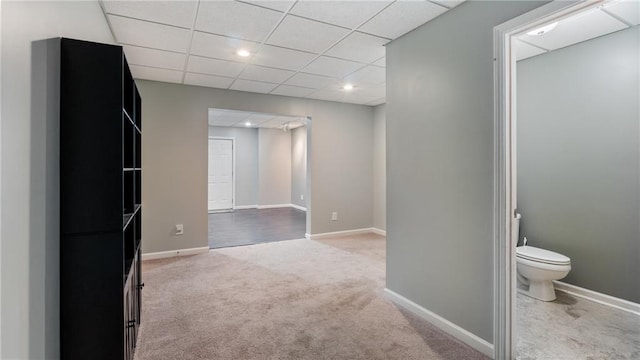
(301,196)
(334,216)
(179,229)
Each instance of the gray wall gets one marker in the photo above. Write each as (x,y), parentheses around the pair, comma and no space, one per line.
(30,320)
(299,166)
(174,157)
(578,159)
(440,163)
(246,168)
(274,167)
(379,168)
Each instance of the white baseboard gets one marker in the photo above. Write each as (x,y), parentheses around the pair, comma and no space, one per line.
(379,231)
(341,233)
(274,206)
(298,207)
(173,253)
(244,207)
(443,324)
(219,211)
(307,236)
(600,298)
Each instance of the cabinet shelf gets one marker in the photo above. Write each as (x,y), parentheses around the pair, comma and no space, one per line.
(126,218)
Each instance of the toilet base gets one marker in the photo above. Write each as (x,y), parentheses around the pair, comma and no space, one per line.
(541,290)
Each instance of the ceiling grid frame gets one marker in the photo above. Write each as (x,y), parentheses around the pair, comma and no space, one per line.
(283,86)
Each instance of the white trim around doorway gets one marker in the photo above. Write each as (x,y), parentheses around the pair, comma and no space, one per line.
(504,167)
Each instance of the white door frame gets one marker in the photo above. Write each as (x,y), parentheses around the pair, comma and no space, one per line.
(505,186)
(233,169)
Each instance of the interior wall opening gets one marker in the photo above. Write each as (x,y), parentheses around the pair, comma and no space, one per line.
(257,177)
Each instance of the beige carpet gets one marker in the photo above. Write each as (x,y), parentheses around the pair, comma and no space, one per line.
(297,299)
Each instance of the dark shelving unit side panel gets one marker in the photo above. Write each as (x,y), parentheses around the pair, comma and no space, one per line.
(90,132)
(91,292)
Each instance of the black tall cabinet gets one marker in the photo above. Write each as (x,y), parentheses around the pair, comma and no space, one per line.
(100,202)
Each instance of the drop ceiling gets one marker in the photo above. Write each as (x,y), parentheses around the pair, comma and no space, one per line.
(303,48)
(233,118)
(594,22)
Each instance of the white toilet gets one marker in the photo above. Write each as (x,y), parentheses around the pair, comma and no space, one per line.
(537,267)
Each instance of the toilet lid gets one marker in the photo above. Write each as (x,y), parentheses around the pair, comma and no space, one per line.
(541,255)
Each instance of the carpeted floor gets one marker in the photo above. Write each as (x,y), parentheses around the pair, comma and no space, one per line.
(297,299)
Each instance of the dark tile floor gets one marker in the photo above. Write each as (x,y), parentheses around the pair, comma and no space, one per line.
(253,226)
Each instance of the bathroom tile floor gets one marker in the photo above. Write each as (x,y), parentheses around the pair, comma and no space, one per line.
(573,328)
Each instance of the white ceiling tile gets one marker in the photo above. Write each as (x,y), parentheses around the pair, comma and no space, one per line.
(575,29)
(208,80)
(155,58)
(341,96)
(257,118)
(381,62)
(349,14)
(261,73)
(143,33)
(272,4)
(372,91)
(360,100)
(204,65)
(524,50)
(328,95)
(178,13)
(448,3)
(276,57)
(252,86)
(236,19)
(367,75)
(149,73)
(332,67)
(218,122)
(223,121)
(285,119)
(270,125)
(229,116)
(376,102)
(359,47)
(627,10)
(302,34)
(311,81)
(295,91)
(220,47)
(402,17)
(279,121)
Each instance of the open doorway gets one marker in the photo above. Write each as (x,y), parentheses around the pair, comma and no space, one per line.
(257,177)
(568,162)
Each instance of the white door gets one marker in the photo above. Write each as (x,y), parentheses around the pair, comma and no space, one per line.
(220,174)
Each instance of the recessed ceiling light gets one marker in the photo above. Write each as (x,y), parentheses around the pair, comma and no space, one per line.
(348,87)
(243,53)
(543,30)
(248,123)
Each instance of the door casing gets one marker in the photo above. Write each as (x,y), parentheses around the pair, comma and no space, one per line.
(505,187)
